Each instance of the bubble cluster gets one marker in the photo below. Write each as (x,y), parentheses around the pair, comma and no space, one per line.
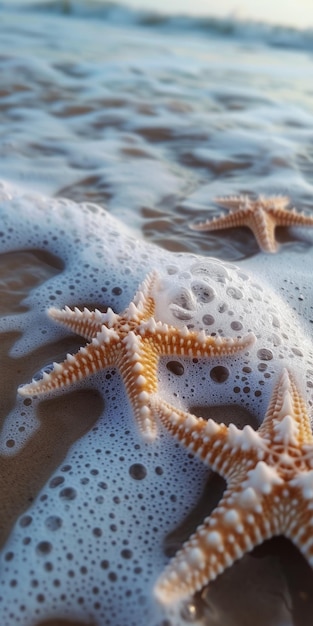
(238,304)
(93,537)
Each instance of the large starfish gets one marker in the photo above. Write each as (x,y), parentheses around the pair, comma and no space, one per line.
(261,216)
(269,492)
(133,342)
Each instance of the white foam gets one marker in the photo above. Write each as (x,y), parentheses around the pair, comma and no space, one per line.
(93,527)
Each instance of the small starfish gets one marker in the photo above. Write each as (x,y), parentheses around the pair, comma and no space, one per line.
(133,342)
(269,476)
(261,216)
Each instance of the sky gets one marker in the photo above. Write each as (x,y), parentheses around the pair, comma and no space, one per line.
(298,13)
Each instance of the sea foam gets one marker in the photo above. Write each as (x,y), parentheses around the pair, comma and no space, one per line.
(88,543)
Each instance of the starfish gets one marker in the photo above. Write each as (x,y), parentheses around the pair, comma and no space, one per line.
(133,342)
(269,475)
(261,216)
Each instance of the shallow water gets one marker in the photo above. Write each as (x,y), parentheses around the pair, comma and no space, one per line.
(152,119)
(153,123)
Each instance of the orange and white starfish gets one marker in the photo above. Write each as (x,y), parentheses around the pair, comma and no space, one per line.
(133,342)
(261,216)
(269,492)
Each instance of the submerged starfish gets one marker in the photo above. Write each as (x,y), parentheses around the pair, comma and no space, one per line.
(133,342)
(269,476)
(261,216)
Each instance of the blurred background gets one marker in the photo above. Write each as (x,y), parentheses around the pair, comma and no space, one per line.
(298,13)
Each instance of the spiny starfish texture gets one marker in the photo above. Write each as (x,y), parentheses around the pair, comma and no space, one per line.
(261,216)
(133,342)
(269,492)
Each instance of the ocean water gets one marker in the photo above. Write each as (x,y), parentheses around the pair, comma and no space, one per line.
(150,116)
(154,117)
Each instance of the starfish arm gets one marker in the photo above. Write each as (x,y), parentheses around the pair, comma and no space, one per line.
(233,202)
(182,342)
(232,220)
(138,367)
(222,448)
(263,226)
(299,518)
(244,201)
(85,323)
(205,438)
(234,528)
(98,354)
(290,218)
(143,305)
(286,420)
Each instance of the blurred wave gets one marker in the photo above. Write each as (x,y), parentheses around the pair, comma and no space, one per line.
(116,13)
